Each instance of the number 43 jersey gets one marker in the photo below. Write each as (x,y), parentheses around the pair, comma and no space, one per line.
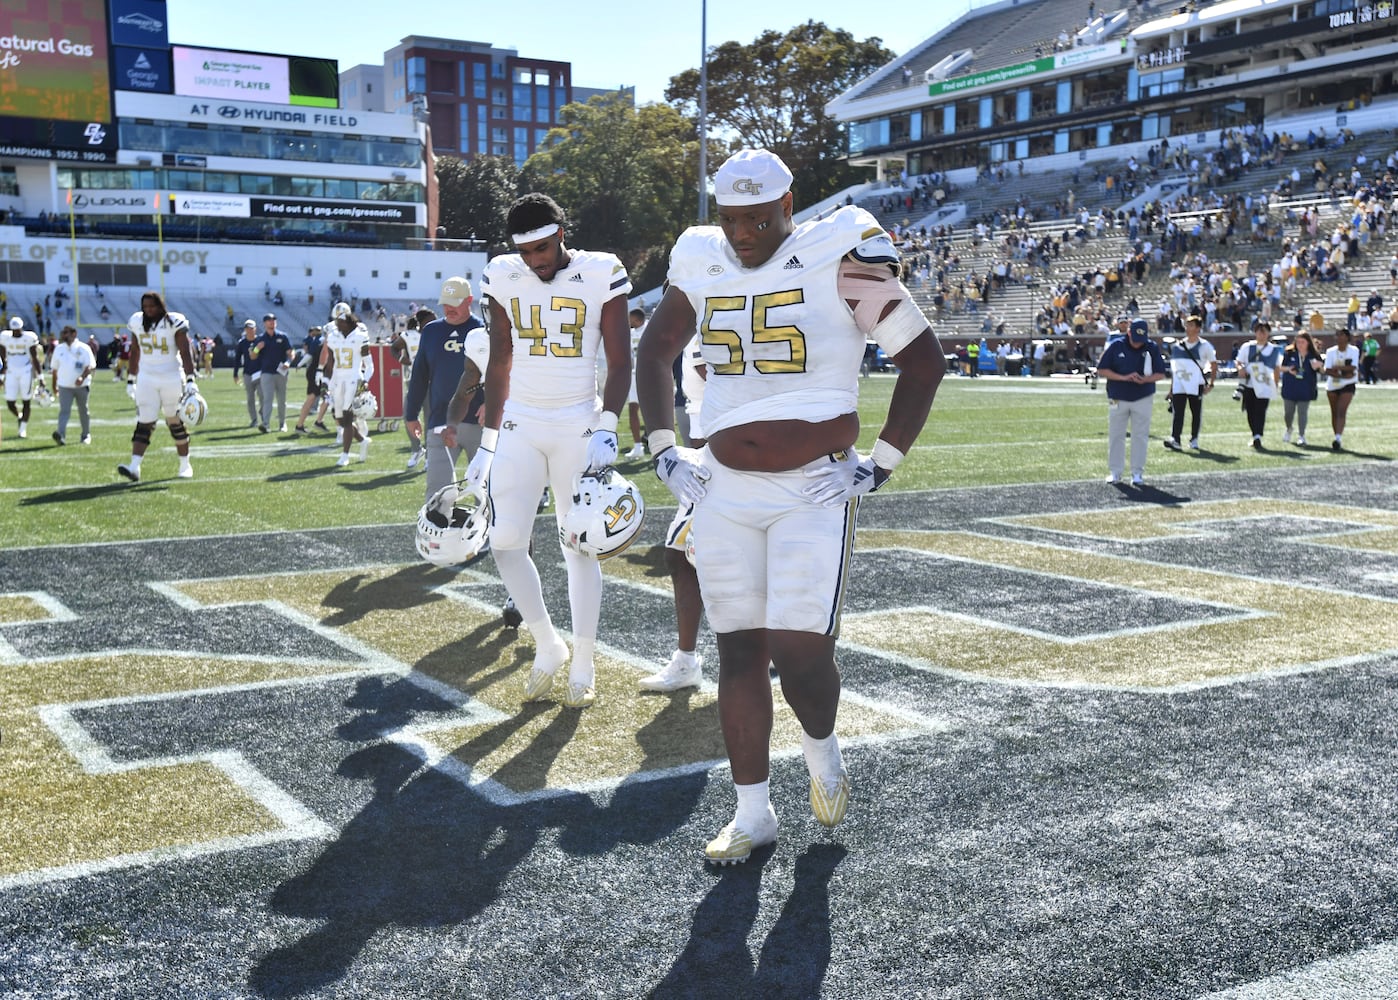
(556,325)
(782,325)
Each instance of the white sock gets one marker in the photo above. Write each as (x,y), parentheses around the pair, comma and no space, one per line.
(582,671)
(135,463)
(184,462)
(753,803)
(584,591)
(822,756)
(521,578)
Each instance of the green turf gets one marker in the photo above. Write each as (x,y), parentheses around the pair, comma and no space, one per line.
(987,431)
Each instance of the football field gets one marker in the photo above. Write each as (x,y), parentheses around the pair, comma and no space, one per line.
(1104,741)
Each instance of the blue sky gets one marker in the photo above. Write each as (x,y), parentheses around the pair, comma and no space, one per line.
(609,45)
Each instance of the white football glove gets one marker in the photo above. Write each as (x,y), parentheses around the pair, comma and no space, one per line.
(191,388)
(601,450)
(682,471)
(131,388)
(479,469)
(840,482)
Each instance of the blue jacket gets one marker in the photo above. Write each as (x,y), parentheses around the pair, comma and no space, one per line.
(1304,385)
(437,372)
(241,359)
(276,348)
(1124,359)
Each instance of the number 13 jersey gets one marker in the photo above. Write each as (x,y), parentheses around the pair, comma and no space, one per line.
(556,325)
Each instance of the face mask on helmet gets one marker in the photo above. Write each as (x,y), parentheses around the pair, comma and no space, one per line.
(605,517)
(193,410)
(452,526)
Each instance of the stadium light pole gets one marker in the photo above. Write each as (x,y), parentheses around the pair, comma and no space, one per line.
(703,112)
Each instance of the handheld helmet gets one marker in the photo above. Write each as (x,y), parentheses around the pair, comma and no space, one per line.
(365,406)
(452,526)
(605,517)
(193,409)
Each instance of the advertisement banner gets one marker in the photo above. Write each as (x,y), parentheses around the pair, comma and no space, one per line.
(53,61)
(238,76)
(1002,75)
(335,211)
(228,206)
(142,70)
(115,202)
(140,24)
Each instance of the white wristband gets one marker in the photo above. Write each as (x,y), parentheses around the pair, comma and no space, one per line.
(658,441)
(488,437)
(886,456)
(607,421)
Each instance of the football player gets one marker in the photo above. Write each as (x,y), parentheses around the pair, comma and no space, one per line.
(160,374)
(19,349)
(404,348)
(783,312)
(342,367)
(551,310)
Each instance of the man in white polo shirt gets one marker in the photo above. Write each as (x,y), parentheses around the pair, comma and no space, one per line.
(73,365)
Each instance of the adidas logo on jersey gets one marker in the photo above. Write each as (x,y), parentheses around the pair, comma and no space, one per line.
(576,277)
(793,264)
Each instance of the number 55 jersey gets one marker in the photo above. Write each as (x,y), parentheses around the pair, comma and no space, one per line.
(785,324)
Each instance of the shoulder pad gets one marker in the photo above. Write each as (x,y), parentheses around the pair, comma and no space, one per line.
(876,249)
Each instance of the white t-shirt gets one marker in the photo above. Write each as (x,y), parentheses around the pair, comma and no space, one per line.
(69,363)
(1189,366)
(1335,358)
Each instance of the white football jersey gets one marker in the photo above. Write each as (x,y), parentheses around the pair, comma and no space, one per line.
(411,338)
(556,326)
(17,344)
(348,351)
(160,354)
(783,324)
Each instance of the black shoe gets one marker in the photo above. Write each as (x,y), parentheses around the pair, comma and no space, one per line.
(301,430)
(321,425)
(513,619)
(1257,443)
(1335,445)
(261,429)
(58,437)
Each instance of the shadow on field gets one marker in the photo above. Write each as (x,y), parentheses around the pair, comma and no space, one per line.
(408,588)
(362,485)
(329,469)
(1153,494)
(94,492)
(1216,457)
(796,954)
(424,851)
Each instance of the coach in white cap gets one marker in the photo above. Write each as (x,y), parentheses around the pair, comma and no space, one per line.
(774,493)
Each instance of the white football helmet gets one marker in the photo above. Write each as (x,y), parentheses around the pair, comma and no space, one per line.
(193,409)
(452,526)
(605,517)
(365,406)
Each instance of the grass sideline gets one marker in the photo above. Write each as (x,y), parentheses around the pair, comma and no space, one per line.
(982,432)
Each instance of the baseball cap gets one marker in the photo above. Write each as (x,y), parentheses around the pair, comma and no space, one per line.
(1195,319)
(1259,321)
(250,322)
(751,177)
(1139,328)
(271,316)
(16,323)
(341,310)
(454,292)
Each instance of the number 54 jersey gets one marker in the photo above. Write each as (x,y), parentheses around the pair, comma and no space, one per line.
(557,325)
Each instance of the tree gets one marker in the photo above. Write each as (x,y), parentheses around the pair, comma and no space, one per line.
(625,176)
(474,195)
(772,94)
